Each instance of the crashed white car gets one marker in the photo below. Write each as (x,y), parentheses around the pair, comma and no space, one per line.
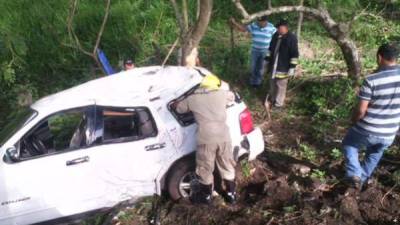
(107,141)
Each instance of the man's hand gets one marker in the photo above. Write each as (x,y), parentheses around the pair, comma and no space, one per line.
(291,72)
(236,25)
(232,21)
(174,104)
(360,111)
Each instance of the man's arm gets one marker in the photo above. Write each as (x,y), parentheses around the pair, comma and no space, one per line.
(271,48)
(230,97)
(360,110)
(364,96)
(182,106)
(238,26)
(294,55)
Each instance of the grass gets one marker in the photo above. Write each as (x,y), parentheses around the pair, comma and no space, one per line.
(318,174)
(336,154)
(308,152)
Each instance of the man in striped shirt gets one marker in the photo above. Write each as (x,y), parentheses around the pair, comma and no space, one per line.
(376,118)
(261,34)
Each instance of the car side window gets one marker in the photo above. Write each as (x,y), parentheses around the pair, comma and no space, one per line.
(64,131)
(127,124)
(184,119)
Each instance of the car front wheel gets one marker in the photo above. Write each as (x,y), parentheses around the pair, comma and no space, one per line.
(180,177)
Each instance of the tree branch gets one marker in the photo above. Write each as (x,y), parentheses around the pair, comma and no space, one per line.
(269,4)
(300,21)
(170,52)
(198,9)
(71,32)
(100,34)
(202,23)
(286,9)
(179,18)
(338,31)
(364,13)
(241,9)
(74,37)
(185,14)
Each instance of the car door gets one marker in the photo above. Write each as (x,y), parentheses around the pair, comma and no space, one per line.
(131,152)
(53,177)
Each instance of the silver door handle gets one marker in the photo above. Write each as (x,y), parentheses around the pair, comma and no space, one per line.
(77,161)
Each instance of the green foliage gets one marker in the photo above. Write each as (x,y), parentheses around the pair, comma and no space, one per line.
(318,174)
(245,168)
(289,209)
(62,128)
(336,154)
(38,54)
(396,177)
(308,152)
(327,102)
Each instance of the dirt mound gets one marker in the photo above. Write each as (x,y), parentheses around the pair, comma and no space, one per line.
(270,195)
(289,185)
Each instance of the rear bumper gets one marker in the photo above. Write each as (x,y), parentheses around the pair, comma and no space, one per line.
(252,144)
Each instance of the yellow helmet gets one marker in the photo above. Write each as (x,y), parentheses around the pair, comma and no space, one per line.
(210,82)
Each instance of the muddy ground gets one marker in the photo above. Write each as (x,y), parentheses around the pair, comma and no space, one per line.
(282,187)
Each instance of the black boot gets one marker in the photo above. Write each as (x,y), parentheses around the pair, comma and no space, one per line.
(230,191)
(201,193)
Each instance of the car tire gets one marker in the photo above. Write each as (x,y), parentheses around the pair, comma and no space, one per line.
(180,177)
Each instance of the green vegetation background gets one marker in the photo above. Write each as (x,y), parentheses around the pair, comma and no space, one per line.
(37,55)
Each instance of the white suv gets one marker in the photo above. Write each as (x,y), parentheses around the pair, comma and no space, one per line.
(107,141)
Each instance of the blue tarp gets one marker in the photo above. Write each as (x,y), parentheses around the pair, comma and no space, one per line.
(104,62)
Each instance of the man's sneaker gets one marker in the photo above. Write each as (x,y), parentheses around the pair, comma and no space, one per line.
(354,182)
(369,183)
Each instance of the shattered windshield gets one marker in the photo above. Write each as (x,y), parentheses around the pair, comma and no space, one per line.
(17,120)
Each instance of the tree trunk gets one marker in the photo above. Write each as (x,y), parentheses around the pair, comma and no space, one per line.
(338,31)
(351,57)
(192,38)
(300,21)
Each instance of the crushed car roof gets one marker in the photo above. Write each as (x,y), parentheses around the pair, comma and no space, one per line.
(132,87)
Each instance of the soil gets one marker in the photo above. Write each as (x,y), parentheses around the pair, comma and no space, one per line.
(281,190)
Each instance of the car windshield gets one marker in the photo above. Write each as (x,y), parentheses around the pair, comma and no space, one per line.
(17,120)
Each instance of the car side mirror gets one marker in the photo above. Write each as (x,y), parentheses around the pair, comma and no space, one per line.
(12,154)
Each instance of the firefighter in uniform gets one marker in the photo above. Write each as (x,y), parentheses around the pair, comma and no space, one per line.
(208,104)
(282,59)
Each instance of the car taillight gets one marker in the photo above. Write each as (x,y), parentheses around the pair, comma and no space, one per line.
(246,122)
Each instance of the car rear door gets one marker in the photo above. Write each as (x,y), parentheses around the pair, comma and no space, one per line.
(131,151)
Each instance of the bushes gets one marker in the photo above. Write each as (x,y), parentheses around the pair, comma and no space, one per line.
(328,103)
(36,52)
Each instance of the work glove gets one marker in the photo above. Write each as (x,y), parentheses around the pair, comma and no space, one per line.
(291,72)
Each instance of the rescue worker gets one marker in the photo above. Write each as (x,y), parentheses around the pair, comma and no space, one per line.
(282,59)
(208,104)
(261,34)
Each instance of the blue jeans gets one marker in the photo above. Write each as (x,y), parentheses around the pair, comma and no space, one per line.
(352,144)
(257,66)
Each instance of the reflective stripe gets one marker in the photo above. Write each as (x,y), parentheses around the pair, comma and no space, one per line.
(281,75)
(294,61)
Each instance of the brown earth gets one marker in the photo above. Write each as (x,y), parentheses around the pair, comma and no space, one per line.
(280,188)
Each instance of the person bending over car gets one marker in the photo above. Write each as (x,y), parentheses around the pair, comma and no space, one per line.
(208,104)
